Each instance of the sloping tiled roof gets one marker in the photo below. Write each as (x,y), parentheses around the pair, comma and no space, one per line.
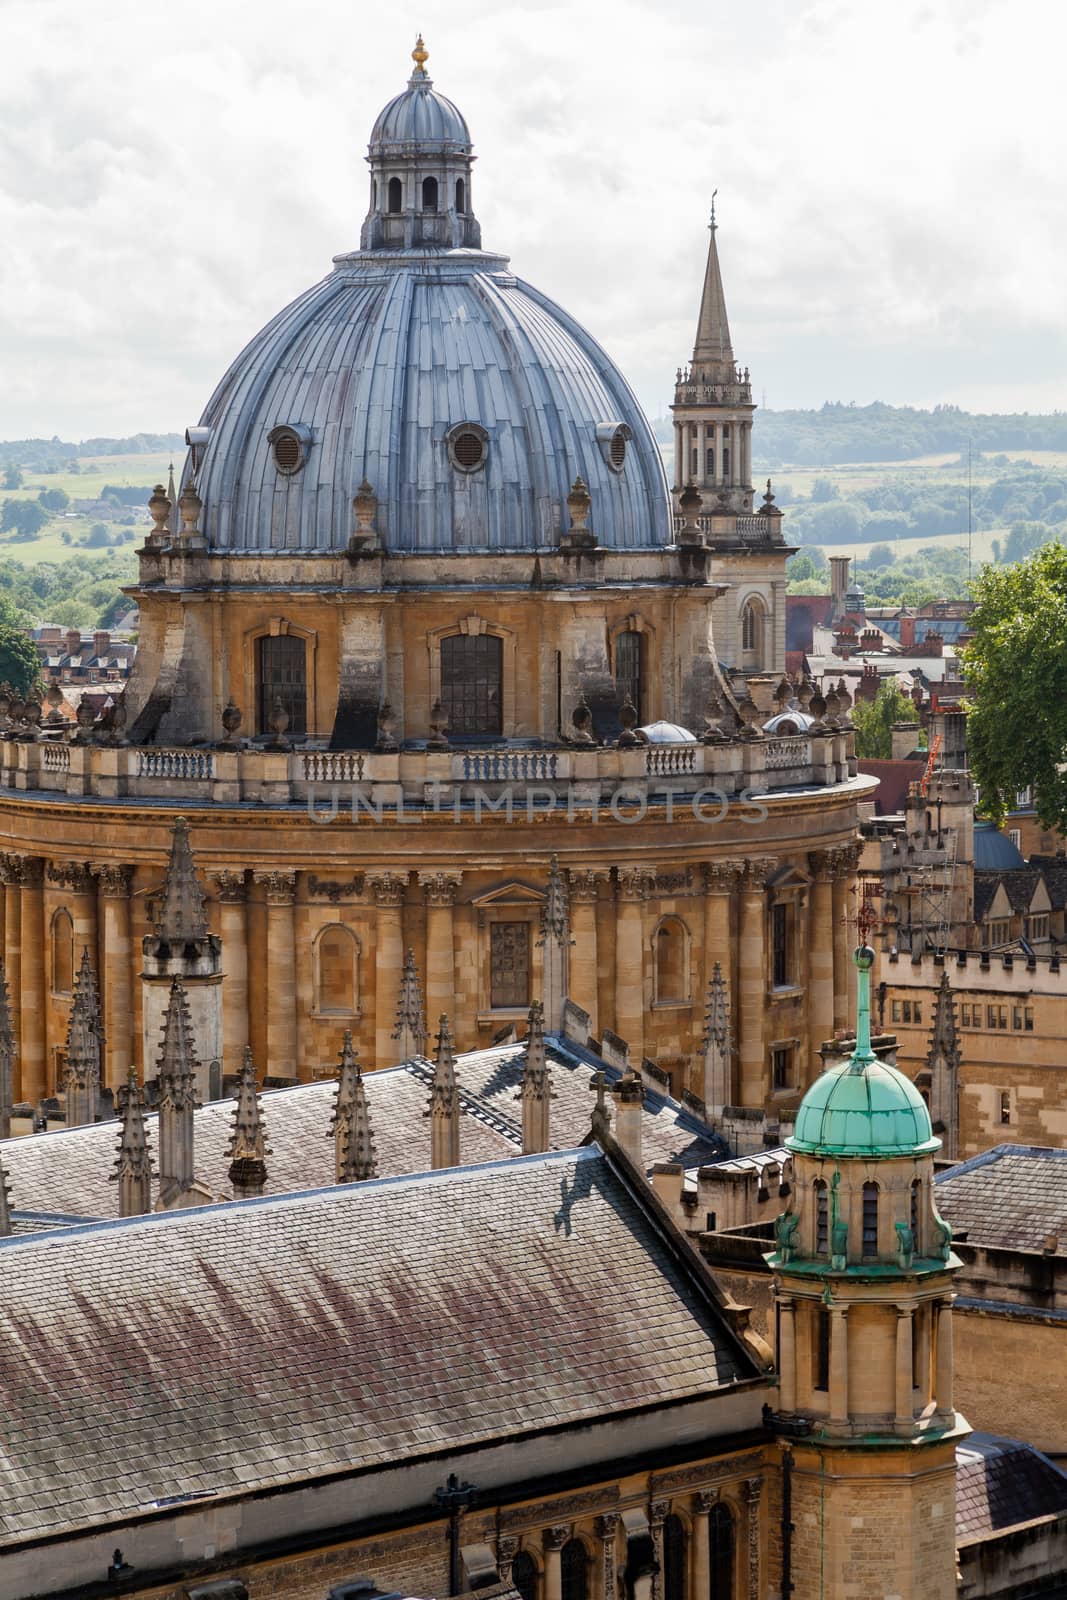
(1001,1483)
(230,1350)
(1012,1197)
(69,1171)
(893,779)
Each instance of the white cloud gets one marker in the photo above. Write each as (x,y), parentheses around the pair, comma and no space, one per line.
(889,174)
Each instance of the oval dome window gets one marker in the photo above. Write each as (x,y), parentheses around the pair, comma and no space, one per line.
(468,445)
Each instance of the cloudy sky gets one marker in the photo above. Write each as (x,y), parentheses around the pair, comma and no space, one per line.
(890,173)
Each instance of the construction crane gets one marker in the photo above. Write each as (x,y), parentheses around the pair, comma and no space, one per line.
(931,761)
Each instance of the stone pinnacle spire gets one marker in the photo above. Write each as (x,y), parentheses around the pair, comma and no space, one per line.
(133,1164)
(555,940)
(181,920)
(943,1063)
(351,1129)
(178,1099)
(81,1074)
(713,349)
(7,1057)
(536,1089)
(410,1027)
(248,1148)
(444,1103)
(717,1049)
(5,1203)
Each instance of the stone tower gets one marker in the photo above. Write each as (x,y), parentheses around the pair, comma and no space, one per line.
(943,1065)
(863,1293)
(713,492)
(182,947)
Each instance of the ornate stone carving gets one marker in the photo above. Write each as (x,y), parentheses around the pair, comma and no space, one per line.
(757,870)
(584,886)
(607,1527)
(753,1490)
(701,1476)
(679,882)
(329,889)
(821,863)
(387,887)
(507,1548)
(440,887)
(280,887)
(703,1501)
(230,887)
(115,881)
(846,859)
(635,883)
(721,877)
(29,872)
(74,875)
(556,1537)
(542,1512)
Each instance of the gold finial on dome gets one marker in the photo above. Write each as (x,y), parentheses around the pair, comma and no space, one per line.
(420,55)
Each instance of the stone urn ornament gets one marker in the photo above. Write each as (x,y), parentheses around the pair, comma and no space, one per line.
(386,740)
(438,739)
(118,719)
(582,722)
(279,724)
(231,720)
(628,719)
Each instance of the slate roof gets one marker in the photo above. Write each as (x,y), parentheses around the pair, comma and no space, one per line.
(1002,1483)
(235,1349)
(1010,1197)
(69,1170)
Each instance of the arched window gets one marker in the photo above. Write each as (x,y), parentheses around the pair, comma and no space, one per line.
(870,1220)
(822,1218)
(726,451)
(472,687)
(336,971)
(574,1571)
(282,679)
(750,621)
(671,972)
(429,194)
(396,195)
(461,196)
(709,471)
(374,194)
(914,1218)
(524,1575)
(674,1558)
(721,1551)
(630,668)
(62,953)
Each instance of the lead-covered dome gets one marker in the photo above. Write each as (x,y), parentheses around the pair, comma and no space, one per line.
(467,400)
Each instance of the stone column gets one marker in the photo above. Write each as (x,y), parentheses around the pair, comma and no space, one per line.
(607,1527)
(552,1542)
(843,910)
(753,1491)
(83,912)
(439,889)
(634,886)
(820,959)
(280,889)
(720,880)
(752,985)
(388,889)
(233,932)
(703,1501)
(33,991)
(904,1404)
(584,892)
(838,1366)
(115,884)
(9,868)
(787,1358)
(657,1516)
(943,1397)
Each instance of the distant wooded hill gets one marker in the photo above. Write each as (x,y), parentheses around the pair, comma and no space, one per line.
(837,434)
(56,455)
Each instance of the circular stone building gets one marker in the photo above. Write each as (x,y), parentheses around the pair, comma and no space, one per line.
(423,586)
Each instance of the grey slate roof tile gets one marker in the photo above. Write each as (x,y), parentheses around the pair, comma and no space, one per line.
(1001,1483)
(1012,1197)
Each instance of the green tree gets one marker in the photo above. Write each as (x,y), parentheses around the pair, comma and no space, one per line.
(874,721)
(1016,671)
(24,518)
(802,569)
(12,478)
(880,556)
(824,489)
(20,664)
(54,499)
(97,536)
(1024,538)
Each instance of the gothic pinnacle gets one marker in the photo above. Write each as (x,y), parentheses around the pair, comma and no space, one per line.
(81,1073)
(444,1104)
(181,919)
(354,1140)
(535,1091)
(248,1146)
(410,1028)
(133,1162)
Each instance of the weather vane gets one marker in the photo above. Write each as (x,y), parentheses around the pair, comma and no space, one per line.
(714,192)
(867,918)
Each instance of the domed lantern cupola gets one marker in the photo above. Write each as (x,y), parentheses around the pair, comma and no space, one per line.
(863,1323)
(420,157)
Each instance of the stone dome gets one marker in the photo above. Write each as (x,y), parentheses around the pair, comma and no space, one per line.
(467,400)
(869,1109)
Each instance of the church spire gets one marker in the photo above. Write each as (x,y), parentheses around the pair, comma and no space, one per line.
(181,920)
(81,1074)
(351,1129)
(444,1103)
(943,1064)
(248,1148)
(410,1028)
(713,349)
(536,1088)
(133,1164)
(178,1098)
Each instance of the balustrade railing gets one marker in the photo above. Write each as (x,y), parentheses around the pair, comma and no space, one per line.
(783,753)
(197,765)
(333,766)
(505,766)
(670,760)
(55,758)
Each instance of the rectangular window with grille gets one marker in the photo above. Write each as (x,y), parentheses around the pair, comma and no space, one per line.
(509,964)
(870,1220)
(782,1067)
(822,1349)
(472,683)
(781,963)
(629,668)
(282,682)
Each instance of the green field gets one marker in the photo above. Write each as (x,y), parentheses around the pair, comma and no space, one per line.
(133,471)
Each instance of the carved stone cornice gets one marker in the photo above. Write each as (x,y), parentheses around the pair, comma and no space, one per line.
(821,863)
(607,1525)
(721,877)
(706,1474)
(230,888)
(74,875)
(757,870)
(333,891)
(584,886)
(847,859)
(387,887)
(440,887)
(280,887)
(556,1537)
(507,1548)
(115,882)
(703,1501)
(538,1514)
(28,871)
(657,1513)
(635,883)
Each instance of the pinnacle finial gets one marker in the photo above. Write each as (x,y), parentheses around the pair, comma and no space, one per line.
(181,919)
(351,1128)
(133,1162)
(863,1055)
(81,1074)
(248,1146)
(410,1028)
(420,55)
(535,1090)
(713,224)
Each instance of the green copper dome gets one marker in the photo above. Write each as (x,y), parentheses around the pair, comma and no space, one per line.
(863,1107)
